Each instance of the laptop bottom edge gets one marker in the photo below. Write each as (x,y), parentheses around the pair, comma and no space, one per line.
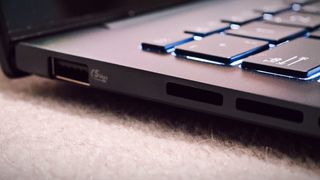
(195,96)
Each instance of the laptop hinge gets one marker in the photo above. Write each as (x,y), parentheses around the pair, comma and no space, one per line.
(7,60)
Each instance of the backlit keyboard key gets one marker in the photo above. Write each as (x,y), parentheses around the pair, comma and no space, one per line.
(299,58)
(166,44)
(268,32)
(243,17)
(206,28)
(273,8)
(220,49)
(309,21)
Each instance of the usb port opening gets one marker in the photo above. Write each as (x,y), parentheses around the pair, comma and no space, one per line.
(70,71)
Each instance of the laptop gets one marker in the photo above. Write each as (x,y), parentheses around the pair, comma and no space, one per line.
(246,60)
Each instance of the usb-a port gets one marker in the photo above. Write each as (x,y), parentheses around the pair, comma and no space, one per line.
(70,71)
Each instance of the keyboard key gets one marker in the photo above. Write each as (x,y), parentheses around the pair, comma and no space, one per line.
(309,21)
(312,8)
(269,32)
(220,49)
(206,28)
(167,43)
(273,8)
(243,17)
(299,58)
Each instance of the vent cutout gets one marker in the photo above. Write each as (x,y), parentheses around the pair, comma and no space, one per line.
(194,94)
(269,110)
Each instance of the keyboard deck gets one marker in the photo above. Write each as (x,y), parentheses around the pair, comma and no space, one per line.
(282,39)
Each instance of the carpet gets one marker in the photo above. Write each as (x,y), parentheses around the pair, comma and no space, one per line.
(54,130)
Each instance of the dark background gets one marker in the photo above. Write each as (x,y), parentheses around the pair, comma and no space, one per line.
(25,17)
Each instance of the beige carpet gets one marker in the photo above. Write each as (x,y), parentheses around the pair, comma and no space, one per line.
(52,130)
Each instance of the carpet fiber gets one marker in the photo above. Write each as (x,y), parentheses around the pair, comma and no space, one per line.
(53,130)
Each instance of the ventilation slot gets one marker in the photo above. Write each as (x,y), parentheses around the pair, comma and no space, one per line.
(194,94)
(269,110)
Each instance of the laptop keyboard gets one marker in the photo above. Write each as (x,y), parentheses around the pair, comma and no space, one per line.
(281,39)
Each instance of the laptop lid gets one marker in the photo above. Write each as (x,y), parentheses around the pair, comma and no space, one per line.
(25,19)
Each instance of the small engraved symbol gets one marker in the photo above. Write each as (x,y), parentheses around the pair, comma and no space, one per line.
(273,60)
(286,62)
(290,59)
(299,60)
(302,19)
(98,76)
